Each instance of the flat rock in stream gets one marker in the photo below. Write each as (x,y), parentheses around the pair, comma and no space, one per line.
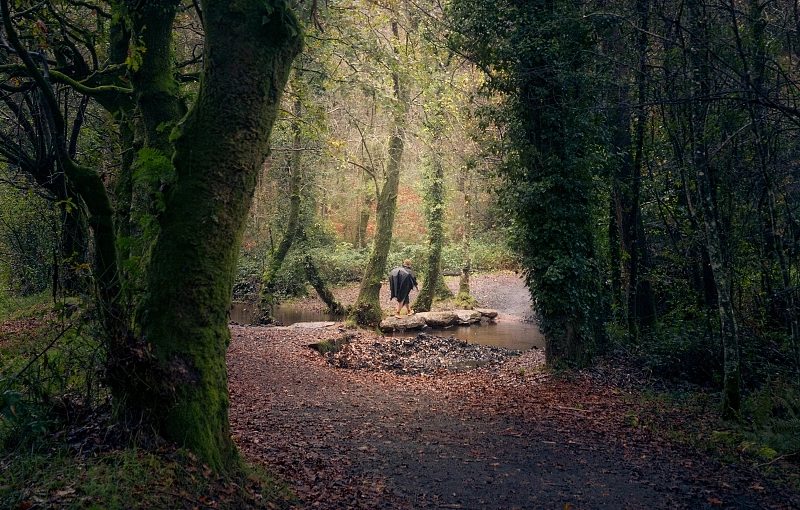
(466,317)
(423,354)
(403,323)
(487,312)
(436,319)
(311,325)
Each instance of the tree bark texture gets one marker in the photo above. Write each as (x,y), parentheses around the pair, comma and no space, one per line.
(434,211)
(367,308)
(219,150)
(708,204)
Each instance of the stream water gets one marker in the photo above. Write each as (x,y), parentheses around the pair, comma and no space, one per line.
(507,333)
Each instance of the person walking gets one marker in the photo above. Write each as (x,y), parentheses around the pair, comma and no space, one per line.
(401,281)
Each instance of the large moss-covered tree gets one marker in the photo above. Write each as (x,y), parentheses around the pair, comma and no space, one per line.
(536,64)
(167,363)
(433,285)
(218,149)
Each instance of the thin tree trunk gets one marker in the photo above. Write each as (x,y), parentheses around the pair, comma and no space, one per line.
(316,281)
(728,330)
(464,294)
(433,281)
(277,257)
(363,221)
(367,308)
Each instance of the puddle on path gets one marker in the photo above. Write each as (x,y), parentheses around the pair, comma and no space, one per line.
(503,333)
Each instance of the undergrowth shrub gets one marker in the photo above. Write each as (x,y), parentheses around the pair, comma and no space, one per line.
(489,254)
(682,351)
(340,264)
(772,415)
(14,306)
(248,275)
(485,256)
(54,364)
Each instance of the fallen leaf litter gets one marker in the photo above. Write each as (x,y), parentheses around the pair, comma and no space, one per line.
(422,354)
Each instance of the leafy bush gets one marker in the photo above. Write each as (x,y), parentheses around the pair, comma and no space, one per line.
(490,255)
(53,362)
(248,276)
(27,226)
(485,256)
(340,264)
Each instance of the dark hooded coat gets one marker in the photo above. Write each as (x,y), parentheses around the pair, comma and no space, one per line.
(401,281)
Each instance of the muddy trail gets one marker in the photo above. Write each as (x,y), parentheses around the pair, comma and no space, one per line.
(504,435)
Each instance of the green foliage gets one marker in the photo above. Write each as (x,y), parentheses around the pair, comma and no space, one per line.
(13,306)
(337,265)
(464,301)
(155,172)
(684,351)
(55,363)
(486,256)
(28,233)
(539,77)
(341,264)
(48,380)
(58,477)
(775,424)
(488,252)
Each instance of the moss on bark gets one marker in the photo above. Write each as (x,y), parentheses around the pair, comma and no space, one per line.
(219,149)
(367,308)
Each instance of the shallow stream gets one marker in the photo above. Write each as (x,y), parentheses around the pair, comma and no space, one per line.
(508,333)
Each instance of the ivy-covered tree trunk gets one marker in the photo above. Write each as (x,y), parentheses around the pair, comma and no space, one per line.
(219,149)
(434,211)
(535,54)
(464,296)
(363,221)
(367,308)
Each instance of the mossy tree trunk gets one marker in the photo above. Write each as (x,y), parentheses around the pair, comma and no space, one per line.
(433,282)
(218,150)
(325,294)
(267,294)
(367,308)
(464,294)
(364,213)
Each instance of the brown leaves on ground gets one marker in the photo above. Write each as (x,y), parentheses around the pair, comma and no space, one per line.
(399,434)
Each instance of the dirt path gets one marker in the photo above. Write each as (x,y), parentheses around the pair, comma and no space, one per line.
(498,437)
